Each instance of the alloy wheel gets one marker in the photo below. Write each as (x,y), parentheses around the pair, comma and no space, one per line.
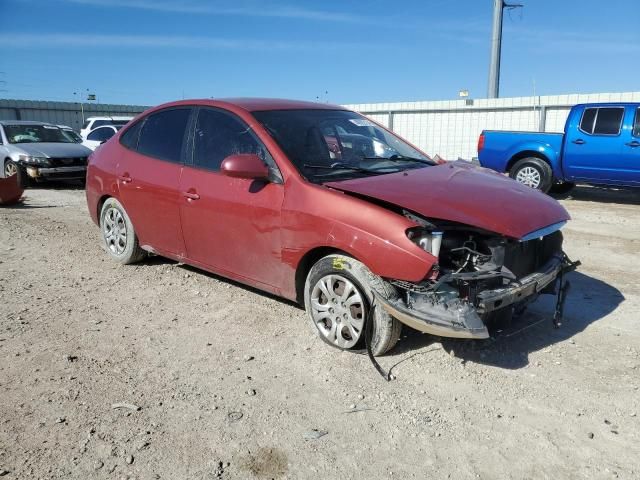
(338,310)
(529,176)
(114,230)
(10,169)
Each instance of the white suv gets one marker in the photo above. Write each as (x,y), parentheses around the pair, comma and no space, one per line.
(95,122)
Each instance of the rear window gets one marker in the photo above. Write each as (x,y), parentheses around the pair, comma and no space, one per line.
(162,134)
(100,123)
(602,121)
(588,116)
(130,137)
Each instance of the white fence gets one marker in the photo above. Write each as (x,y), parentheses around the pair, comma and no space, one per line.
(451,128)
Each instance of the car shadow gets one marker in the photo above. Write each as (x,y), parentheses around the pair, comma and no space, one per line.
(158,260)
(57,185)
(509,347)
(593,193)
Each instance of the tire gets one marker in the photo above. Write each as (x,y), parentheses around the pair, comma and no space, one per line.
(533,172)
(346,331)
(118,235)
(562,188)
(11,168)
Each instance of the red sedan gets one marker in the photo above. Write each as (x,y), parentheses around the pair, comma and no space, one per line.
(319,204)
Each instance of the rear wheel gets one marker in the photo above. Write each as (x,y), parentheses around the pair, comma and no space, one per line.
(118,234)
(533,172)
(337,297)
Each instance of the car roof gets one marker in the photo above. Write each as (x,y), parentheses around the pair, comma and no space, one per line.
(113,117)
(258,104)
(608,104)
(25,122)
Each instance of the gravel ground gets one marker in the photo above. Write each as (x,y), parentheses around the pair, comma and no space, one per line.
(222,381)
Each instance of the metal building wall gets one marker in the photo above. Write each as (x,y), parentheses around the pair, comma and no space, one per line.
(61,113)
(451,128)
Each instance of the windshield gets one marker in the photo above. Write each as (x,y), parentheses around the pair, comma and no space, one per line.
(338,144)
(72,135)
(35,134)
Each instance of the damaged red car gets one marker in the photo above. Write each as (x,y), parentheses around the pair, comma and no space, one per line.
(320,205)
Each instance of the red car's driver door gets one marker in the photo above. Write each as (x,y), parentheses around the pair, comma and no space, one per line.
(230,225)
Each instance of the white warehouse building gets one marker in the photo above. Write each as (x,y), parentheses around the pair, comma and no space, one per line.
(450,128)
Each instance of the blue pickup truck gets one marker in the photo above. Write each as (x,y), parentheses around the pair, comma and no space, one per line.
(600,145)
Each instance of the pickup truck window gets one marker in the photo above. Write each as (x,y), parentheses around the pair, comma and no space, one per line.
(636,124)
(602,121)
(608,121)
(588,116)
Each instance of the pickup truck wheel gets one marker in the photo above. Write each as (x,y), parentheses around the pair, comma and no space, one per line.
(118,235)
(562,188)
(533,172)
(337,296)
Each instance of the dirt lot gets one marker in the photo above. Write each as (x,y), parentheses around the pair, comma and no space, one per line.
(231,384)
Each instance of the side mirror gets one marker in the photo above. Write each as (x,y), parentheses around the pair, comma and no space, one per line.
(245,165)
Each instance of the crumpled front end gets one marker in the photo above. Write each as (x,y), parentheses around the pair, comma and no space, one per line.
(478,275)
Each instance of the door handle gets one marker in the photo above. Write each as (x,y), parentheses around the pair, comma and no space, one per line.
(125,178)
(191,195)
(579,141)
(633,144)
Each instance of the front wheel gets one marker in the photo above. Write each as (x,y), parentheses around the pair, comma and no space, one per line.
(337,297)
(10,168)
(533,172)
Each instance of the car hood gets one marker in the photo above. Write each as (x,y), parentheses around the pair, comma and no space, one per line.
(54,150)
(463,193)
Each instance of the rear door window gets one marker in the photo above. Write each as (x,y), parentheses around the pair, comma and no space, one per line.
(101,134)
(608,121)
(130,137)
(219,134)
(163,133)
(602,121)
(588,116)
(636,124)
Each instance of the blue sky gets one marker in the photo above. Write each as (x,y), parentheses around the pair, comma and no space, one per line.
(151,51)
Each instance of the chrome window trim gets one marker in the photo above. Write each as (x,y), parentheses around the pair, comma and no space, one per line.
(595,121)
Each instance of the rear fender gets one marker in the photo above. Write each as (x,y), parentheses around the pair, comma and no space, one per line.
(536,149)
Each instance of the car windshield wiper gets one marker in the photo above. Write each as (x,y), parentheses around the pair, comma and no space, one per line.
(401,158)
(341,166)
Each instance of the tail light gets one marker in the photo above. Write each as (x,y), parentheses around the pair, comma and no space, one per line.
(481,142)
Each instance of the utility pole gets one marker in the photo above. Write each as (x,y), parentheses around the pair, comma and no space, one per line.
(496,46)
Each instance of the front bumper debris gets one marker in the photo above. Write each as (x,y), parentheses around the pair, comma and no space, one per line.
(61,173)
(461,319)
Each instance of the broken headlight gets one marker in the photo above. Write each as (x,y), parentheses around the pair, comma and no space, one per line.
(30,160)
(429,241)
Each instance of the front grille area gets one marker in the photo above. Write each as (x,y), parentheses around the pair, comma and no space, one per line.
(68,161)
(523,258)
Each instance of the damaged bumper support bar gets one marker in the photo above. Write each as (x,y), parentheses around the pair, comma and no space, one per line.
(463,319)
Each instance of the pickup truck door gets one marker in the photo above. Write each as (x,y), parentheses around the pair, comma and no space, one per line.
(593,146)
(630,155)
